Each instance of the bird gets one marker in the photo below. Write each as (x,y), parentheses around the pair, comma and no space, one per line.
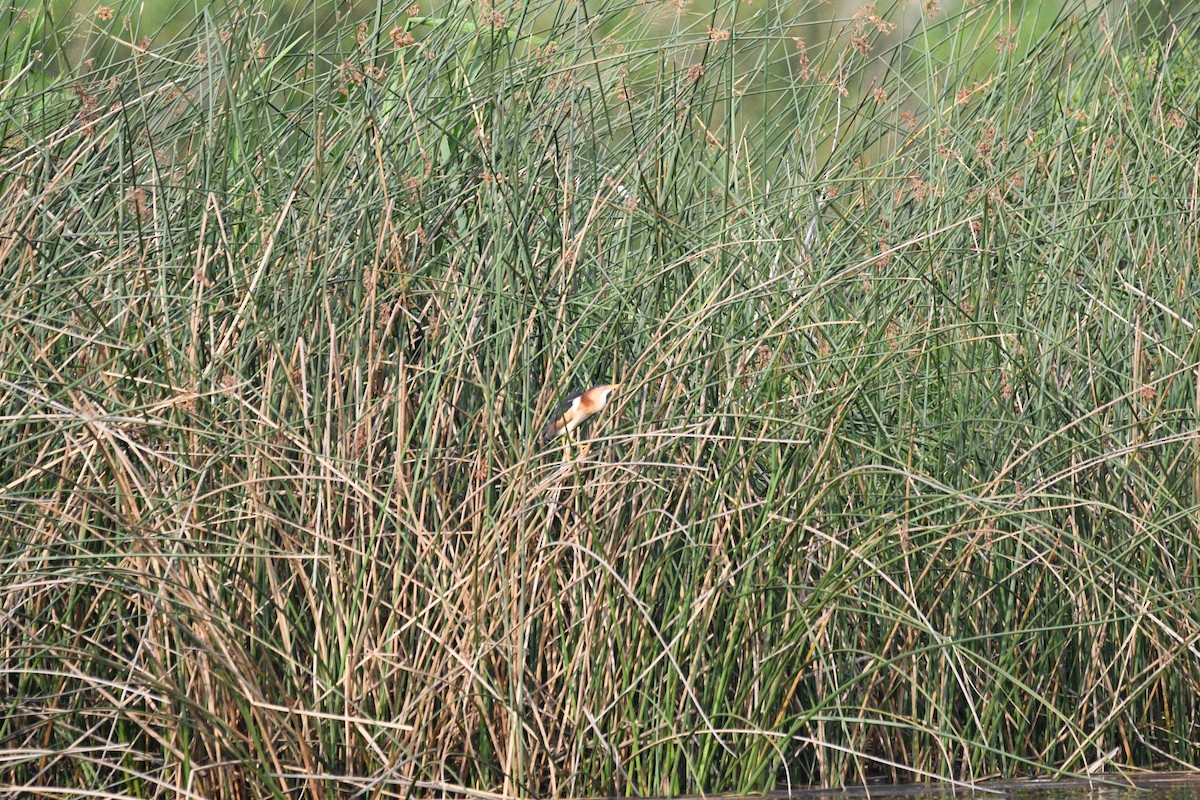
(577,408)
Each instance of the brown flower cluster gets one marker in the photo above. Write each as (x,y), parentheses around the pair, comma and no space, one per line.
(488,15)
(866,22)
(87,109)
(805,65)
(1006,40)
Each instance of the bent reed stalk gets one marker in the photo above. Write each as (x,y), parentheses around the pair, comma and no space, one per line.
(902,481)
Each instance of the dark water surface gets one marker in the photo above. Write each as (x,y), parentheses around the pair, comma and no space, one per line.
(1109,787)
(1190,791)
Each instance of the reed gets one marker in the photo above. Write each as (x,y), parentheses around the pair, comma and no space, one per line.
(901,482)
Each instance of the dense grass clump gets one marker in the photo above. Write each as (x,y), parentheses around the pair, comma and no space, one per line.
(903,479)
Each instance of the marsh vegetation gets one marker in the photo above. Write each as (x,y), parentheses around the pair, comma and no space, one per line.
(902,479)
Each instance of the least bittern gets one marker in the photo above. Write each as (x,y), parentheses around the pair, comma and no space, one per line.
(577,408)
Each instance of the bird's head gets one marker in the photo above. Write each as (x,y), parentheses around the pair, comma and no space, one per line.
(598,395)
